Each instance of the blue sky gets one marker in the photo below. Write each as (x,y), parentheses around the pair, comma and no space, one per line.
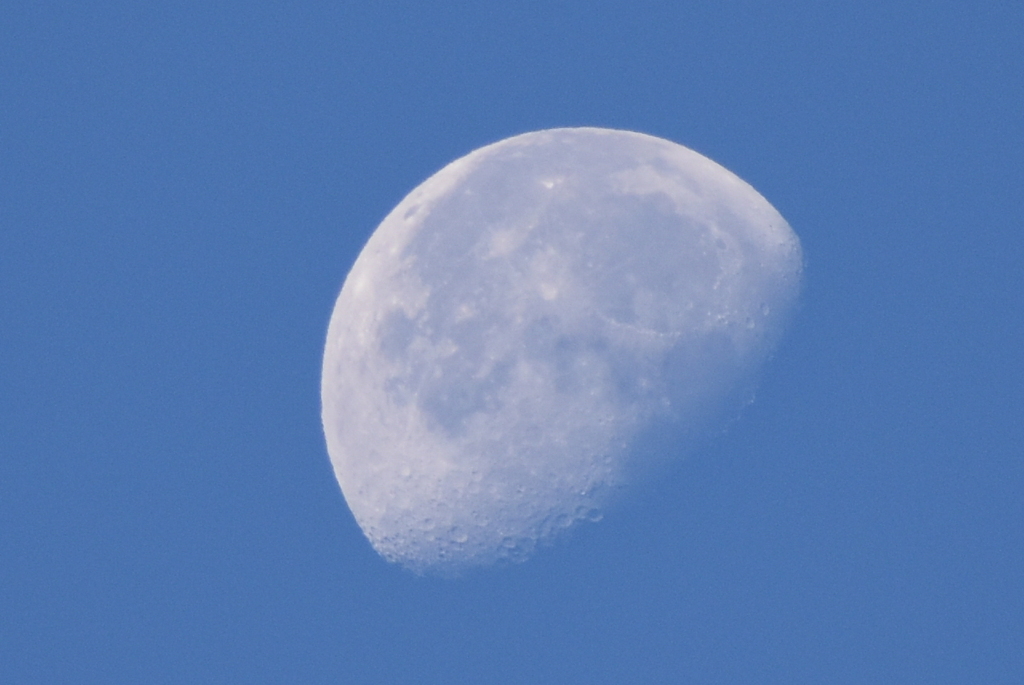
(183,187)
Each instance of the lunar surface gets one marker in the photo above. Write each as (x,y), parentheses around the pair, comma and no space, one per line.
(518,327)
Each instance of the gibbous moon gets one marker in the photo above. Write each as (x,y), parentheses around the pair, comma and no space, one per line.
(521,323)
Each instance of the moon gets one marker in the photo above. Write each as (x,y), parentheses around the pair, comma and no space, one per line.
(521,323)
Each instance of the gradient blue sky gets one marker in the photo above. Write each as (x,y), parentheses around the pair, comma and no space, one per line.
(183,187)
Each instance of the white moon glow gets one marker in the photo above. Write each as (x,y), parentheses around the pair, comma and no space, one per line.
(521,319)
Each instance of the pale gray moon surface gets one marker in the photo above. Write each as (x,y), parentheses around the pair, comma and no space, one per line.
(520,320)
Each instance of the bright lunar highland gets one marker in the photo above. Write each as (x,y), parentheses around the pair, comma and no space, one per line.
(522,323)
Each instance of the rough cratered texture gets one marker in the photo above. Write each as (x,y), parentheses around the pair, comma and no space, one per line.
(522,317)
